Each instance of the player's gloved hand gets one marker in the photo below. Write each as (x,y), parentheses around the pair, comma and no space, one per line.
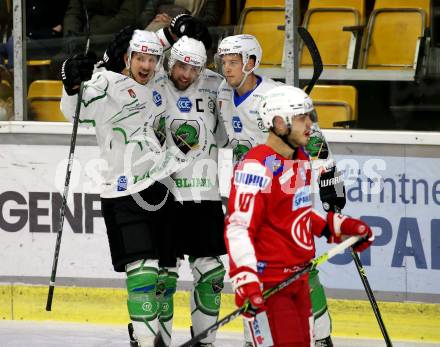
(247,287)
(342,227)
(113,59)
(77,69)
(332,190)
(187,25)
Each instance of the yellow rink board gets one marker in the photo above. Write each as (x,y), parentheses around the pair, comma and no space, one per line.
(351,318)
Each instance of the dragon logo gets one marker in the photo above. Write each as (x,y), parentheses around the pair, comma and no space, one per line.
(159,129)
(317,146)
(185,134)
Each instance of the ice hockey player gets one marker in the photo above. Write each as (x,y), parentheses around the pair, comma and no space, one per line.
(238,101)
(271,224)
(191,126)
(194,128)
(122,106)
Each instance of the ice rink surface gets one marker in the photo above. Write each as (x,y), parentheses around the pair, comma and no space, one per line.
(54,334)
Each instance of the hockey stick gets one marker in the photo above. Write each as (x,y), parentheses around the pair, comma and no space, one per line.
(370,294)
(316,57)
(246,307)
(371,297)
(67,180)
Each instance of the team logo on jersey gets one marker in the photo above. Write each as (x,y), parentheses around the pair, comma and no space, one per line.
(237,125)
(132,93)
(185,134)
(240,148)
(184,104)
(301,231)
(275,165)
(301,198)
(261,265)
(242,178)
(157,98)
(159,128)
(317,146)
(122,183)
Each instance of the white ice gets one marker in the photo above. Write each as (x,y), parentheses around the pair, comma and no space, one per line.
(55,334)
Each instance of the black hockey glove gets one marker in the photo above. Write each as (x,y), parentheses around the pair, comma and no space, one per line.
(77,69)
(187,25)
(114,54)
(332,190)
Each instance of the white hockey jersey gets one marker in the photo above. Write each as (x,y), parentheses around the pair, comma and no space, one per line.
(123,113)
(243,124)
(194,128)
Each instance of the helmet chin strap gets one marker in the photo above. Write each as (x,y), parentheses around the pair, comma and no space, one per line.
(284,137)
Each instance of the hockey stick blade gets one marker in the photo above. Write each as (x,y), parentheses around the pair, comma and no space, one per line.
(312,265)
(316,57)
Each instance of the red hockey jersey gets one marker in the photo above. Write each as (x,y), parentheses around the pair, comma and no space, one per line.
(270,224)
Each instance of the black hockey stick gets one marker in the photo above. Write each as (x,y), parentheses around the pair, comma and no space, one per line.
(371,297)
(370,294)
(67,180)
(247,307)
(316,57)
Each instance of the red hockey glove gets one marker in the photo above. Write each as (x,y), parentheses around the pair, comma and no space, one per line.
(247,287)
(342,227)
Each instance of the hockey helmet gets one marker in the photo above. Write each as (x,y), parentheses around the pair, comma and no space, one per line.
(245,45)
(189,51)
(144,41)
(284,101)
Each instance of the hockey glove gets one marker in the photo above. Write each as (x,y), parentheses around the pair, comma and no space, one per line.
(114,54)
(341,227)
(186,25)
(77,69)
(247,287)
(332,190)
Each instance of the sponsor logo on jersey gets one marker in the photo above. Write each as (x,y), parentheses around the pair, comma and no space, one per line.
(302,198)
(184,104)
(273,164)
(157,98)
(242,178)
(132,93)
(122,183)
(261,265)
(237,125)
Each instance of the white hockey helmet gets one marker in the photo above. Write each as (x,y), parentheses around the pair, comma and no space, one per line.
(189,51)
(144,41)
(245,45)
(285,102)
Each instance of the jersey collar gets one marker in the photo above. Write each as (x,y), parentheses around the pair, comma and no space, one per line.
(239,99)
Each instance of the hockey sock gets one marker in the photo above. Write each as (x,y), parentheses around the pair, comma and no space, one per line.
(166,288)
(205,300)
(143,306)
(322,326)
